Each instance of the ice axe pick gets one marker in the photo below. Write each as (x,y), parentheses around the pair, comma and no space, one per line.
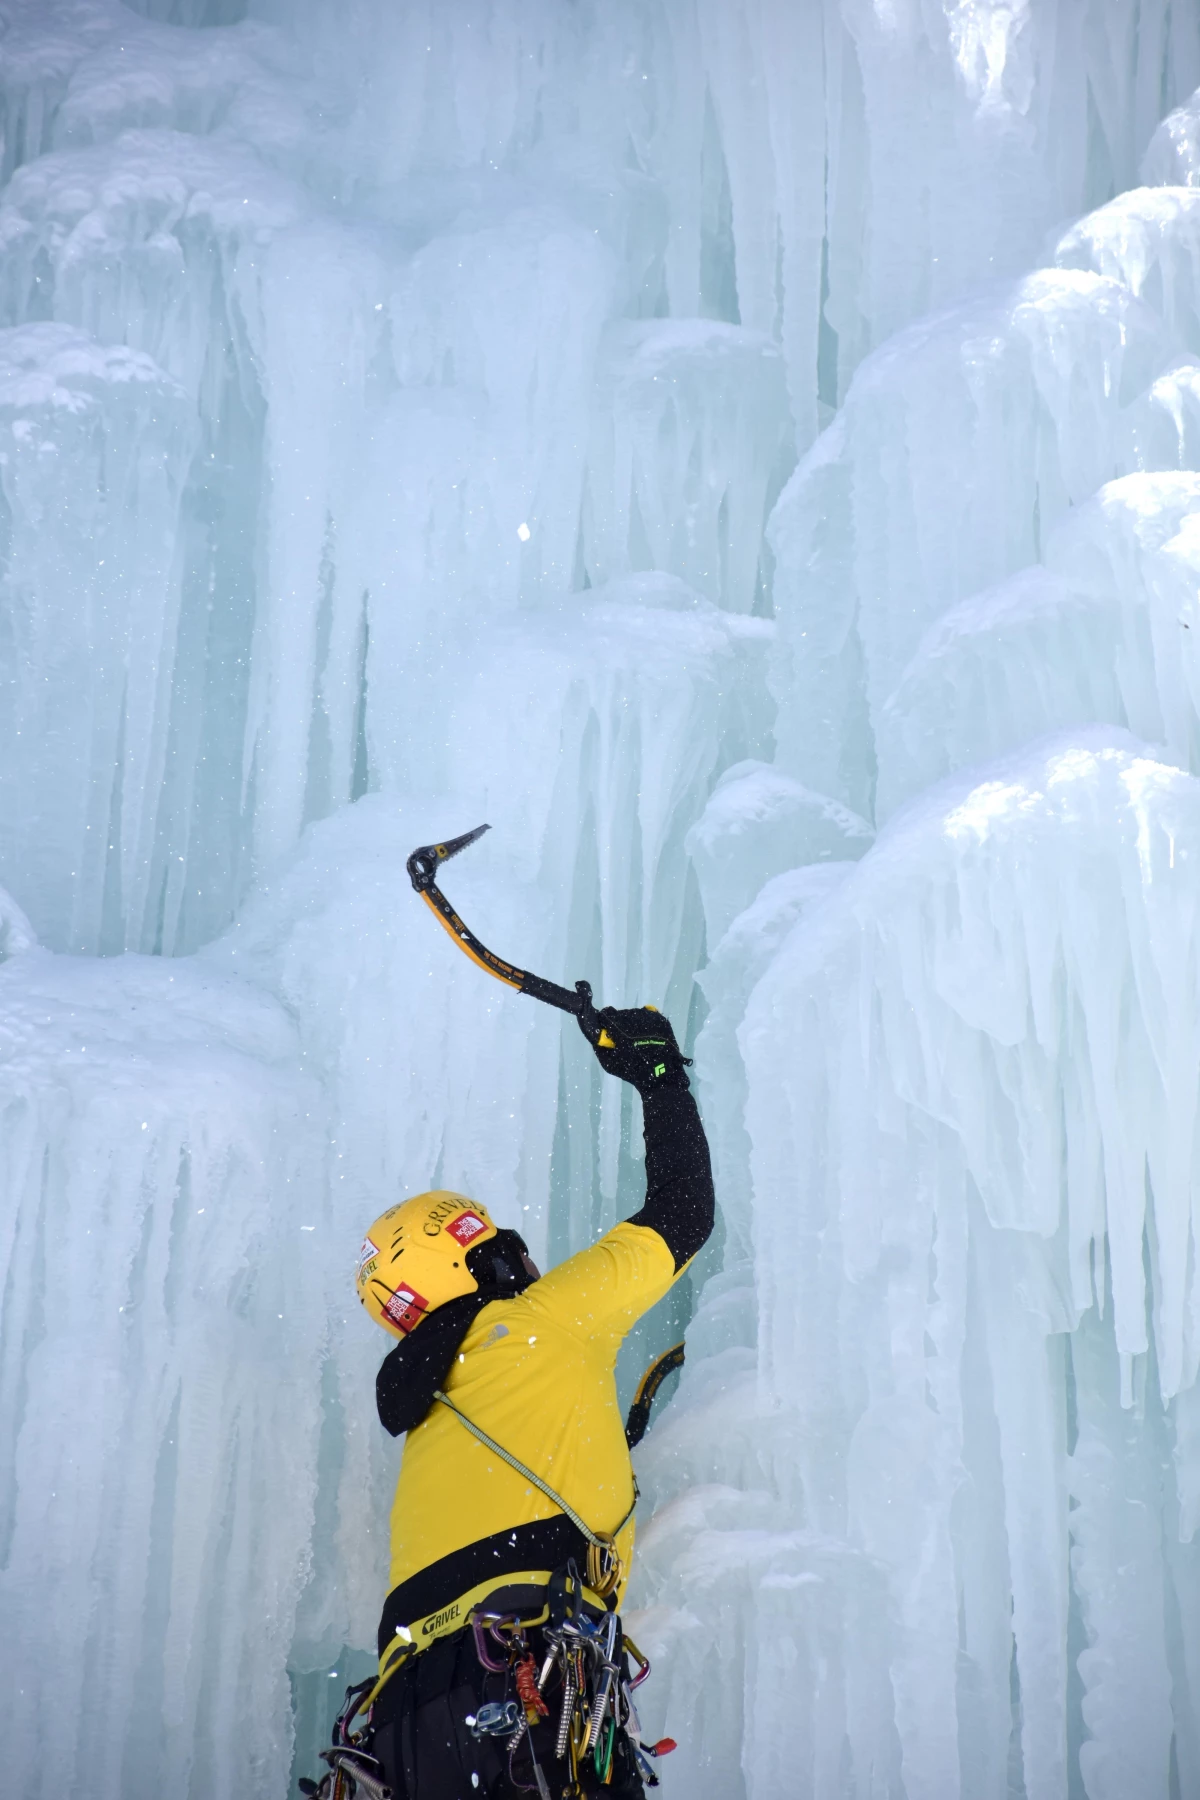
(423,867)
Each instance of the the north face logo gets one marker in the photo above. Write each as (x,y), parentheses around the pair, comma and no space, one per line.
(406,1308)
(467,1226)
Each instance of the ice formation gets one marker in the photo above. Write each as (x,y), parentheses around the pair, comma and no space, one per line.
(750,454)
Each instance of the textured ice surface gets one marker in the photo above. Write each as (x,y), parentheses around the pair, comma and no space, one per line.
(1164,422)
(619,715)
(757,824)
(974,1124)
(1014,404)
(691,446)
(96,442)
(1173,154)
(166,1251)
(1149,240)
(1105,630)
(945,1154)
(392,402)
(79,72)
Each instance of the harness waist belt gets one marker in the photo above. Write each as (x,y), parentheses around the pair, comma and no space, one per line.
(542,1544)
(523,1595)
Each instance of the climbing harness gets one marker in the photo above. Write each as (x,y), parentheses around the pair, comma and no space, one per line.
(571,1669)
(604,1569)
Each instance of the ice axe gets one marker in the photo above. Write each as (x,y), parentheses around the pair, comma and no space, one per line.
(423,867)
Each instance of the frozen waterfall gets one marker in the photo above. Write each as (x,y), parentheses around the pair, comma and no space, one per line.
(749,452)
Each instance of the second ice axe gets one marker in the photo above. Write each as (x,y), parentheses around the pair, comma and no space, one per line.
(423,867)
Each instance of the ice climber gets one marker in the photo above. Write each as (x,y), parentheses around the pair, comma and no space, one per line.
(503,1667)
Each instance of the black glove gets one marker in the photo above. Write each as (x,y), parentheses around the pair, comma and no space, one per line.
(637,1044)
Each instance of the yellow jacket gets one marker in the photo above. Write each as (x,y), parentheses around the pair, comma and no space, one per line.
(536,1372)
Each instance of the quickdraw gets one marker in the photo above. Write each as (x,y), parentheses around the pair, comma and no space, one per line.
(353,1771)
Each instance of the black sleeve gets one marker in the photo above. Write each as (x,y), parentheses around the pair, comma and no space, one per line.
(420,1363)
(680,1202)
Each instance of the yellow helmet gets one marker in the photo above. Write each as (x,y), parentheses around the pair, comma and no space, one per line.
(414,1258)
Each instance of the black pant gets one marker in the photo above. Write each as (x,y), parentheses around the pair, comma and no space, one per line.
(428,1753)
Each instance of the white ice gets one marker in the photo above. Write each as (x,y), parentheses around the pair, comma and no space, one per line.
(750,456)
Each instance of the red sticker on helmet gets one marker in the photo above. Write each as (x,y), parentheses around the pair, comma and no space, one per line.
(466,1228)
(406,1308)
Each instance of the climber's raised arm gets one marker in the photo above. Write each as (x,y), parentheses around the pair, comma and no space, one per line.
(638,1045)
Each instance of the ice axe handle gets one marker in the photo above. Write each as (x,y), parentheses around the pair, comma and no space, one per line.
(579,1002)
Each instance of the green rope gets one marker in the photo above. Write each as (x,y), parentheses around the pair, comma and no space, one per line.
(514,1462)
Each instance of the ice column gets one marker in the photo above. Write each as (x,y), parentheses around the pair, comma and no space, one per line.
(1102,630)
(163,1259)
(947,1180)
(96,447)
(690,446)
(1004,404)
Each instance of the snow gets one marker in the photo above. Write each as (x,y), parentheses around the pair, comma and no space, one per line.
(773,505)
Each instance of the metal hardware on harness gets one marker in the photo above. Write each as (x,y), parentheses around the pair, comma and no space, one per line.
(589,1708)
(498,1718)
(568,1708)
(353,1771)
(643,1662)
(608,1673)
(351,1766)
(478,1623)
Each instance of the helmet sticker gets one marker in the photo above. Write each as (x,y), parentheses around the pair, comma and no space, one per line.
(366,1251)
(406,1308)
(466,1227)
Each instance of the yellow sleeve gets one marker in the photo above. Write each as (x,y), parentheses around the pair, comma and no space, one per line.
(605,1290)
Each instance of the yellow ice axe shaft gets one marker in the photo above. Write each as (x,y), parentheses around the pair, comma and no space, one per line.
(423,867)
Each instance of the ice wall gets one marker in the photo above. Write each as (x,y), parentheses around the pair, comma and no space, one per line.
(398,415)
(167,1253)
(953,1090)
